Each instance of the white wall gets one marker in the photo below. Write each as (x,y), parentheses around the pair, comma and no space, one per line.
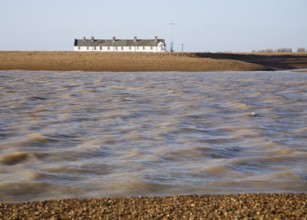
(120,49)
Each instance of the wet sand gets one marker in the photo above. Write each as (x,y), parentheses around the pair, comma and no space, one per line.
(148,62)
(244,206)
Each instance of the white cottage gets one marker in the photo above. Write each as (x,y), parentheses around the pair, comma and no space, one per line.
(117,45)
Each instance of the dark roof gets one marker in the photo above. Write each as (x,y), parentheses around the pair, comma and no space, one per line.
(118,42)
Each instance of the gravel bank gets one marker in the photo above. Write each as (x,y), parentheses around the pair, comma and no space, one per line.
(242,206)
(147,62)
(118,62)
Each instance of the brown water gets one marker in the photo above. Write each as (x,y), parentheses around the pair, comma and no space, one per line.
(77,134)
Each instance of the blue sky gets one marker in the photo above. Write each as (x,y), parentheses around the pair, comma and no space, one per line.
(200,25)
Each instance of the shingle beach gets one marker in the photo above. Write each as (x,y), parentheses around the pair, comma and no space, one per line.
(148,62)
(240,206)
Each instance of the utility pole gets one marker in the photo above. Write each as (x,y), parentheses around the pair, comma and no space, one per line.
(182,47)
(172,43)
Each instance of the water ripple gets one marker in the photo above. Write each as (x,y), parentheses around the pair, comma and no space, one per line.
(78,134)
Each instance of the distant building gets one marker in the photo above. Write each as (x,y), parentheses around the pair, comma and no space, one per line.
(117,45)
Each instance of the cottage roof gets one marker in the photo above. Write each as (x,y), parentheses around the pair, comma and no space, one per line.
(118,42)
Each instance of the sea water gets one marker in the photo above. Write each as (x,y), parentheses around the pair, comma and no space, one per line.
(82,134)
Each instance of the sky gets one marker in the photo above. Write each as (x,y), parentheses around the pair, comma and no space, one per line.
(199,25)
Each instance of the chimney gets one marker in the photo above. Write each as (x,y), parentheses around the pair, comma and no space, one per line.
(92,38)
(84,38)
(156,38)
(113,39)
(134,39)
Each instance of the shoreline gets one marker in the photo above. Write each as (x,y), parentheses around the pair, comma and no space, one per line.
(148,62)
(225,206)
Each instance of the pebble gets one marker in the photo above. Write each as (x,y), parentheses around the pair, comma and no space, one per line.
(238,206)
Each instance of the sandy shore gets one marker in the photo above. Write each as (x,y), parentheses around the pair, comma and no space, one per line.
(245,206)
(150,62)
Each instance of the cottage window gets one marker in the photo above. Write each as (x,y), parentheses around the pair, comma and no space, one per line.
(87,48)
(108,48)
(151,48)
(143,48)
(94,48)
(129,48)
(122,48)
(79,48)
(115,48)
(100,48)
